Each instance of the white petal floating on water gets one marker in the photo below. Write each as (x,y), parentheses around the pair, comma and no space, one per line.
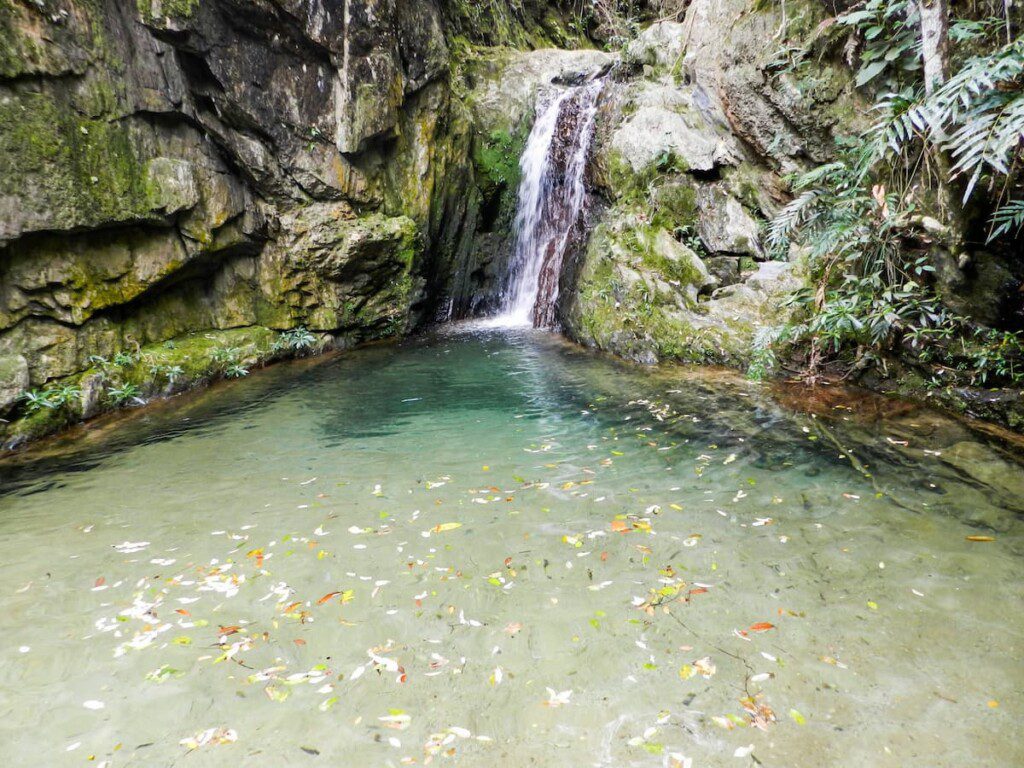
(128,547)
(93,704)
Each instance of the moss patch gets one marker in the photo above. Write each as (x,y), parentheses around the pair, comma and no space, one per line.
(158,370)
(86,171)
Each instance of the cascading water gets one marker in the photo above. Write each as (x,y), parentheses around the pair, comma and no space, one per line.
(551,197)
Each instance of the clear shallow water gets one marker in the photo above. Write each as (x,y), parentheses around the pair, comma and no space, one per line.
(625,539)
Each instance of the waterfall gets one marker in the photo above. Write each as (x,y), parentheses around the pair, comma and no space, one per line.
(551,197)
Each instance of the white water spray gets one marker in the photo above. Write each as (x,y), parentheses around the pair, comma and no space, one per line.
(551,197)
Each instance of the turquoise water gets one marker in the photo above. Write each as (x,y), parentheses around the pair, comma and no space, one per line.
(485,548)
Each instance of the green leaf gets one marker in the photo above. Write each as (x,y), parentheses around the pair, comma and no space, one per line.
(869,72)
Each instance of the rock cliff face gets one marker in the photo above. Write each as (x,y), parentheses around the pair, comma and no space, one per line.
(698,129)
(189,188)
(181,169)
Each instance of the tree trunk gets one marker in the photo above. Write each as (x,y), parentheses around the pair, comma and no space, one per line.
(934,42)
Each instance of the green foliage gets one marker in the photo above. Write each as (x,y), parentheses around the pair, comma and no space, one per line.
(889,31)
(867,220)
(123,394)
(297,340)
(1008,219)
(125,359)
(977,116)
(225,355)
(53,398)
(763,358)
(688,236)
(229,359)
(171,372)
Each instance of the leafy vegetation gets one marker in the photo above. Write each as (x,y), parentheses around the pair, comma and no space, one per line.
(124,394)
(909,193)
(298,340)
(53,398)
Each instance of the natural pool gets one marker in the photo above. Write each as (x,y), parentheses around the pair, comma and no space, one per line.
(487,548)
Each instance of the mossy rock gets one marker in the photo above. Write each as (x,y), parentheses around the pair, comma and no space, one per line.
(157,370)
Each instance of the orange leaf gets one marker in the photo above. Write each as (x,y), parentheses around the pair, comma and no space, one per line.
(182,611)
(327,597)
(604,557)
(299,641)
(620,526)
(258,555)
(230,630)
(981,538)
(293,606)
(100,582)
(761,626)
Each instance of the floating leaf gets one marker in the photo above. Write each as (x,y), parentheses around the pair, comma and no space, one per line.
(446,527)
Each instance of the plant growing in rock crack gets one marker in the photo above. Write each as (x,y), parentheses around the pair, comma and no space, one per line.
(687,235)
(171,372)
(225,355)
(297,340)
(124,394)
(229,360)
(236,371)
(125,359)
(53,398)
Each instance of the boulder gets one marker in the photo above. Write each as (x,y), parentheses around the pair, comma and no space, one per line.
(662,44)
(725,269)
(987,468)
(664,121)
(683,262)
(724,225)
(14,379)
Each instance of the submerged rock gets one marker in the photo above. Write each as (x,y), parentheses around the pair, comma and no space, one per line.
(986,467)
